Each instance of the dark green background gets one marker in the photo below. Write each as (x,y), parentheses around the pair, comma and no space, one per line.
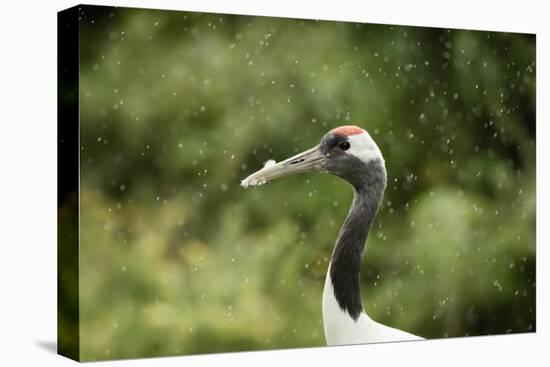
(176,108)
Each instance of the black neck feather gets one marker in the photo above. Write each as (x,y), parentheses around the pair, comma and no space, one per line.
(348,251)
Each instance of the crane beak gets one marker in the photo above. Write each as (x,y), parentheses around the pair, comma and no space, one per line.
(309,160)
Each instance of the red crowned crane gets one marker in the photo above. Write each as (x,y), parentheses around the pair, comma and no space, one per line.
(350,153)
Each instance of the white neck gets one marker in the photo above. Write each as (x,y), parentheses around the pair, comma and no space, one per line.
(341,328)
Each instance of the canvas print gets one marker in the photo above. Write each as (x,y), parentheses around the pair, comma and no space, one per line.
(237,183)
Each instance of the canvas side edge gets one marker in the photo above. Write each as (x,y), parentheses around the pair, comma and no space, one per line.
(68,306)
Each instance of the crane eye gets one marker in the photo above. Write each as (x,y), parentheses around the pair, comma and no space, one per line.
(344,145)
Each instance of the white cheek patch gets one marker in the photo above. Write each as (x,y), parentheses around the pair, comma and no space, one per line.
(363,147)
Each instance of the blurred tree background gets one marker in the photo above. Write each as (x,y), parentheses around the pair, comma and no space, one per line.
(177,107)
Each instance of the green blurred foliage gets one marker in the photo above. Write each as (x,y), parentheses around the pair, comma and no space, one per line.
(176,108)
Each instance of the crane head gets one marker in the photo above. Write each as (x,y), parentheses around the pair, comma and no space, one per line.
(346,151)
